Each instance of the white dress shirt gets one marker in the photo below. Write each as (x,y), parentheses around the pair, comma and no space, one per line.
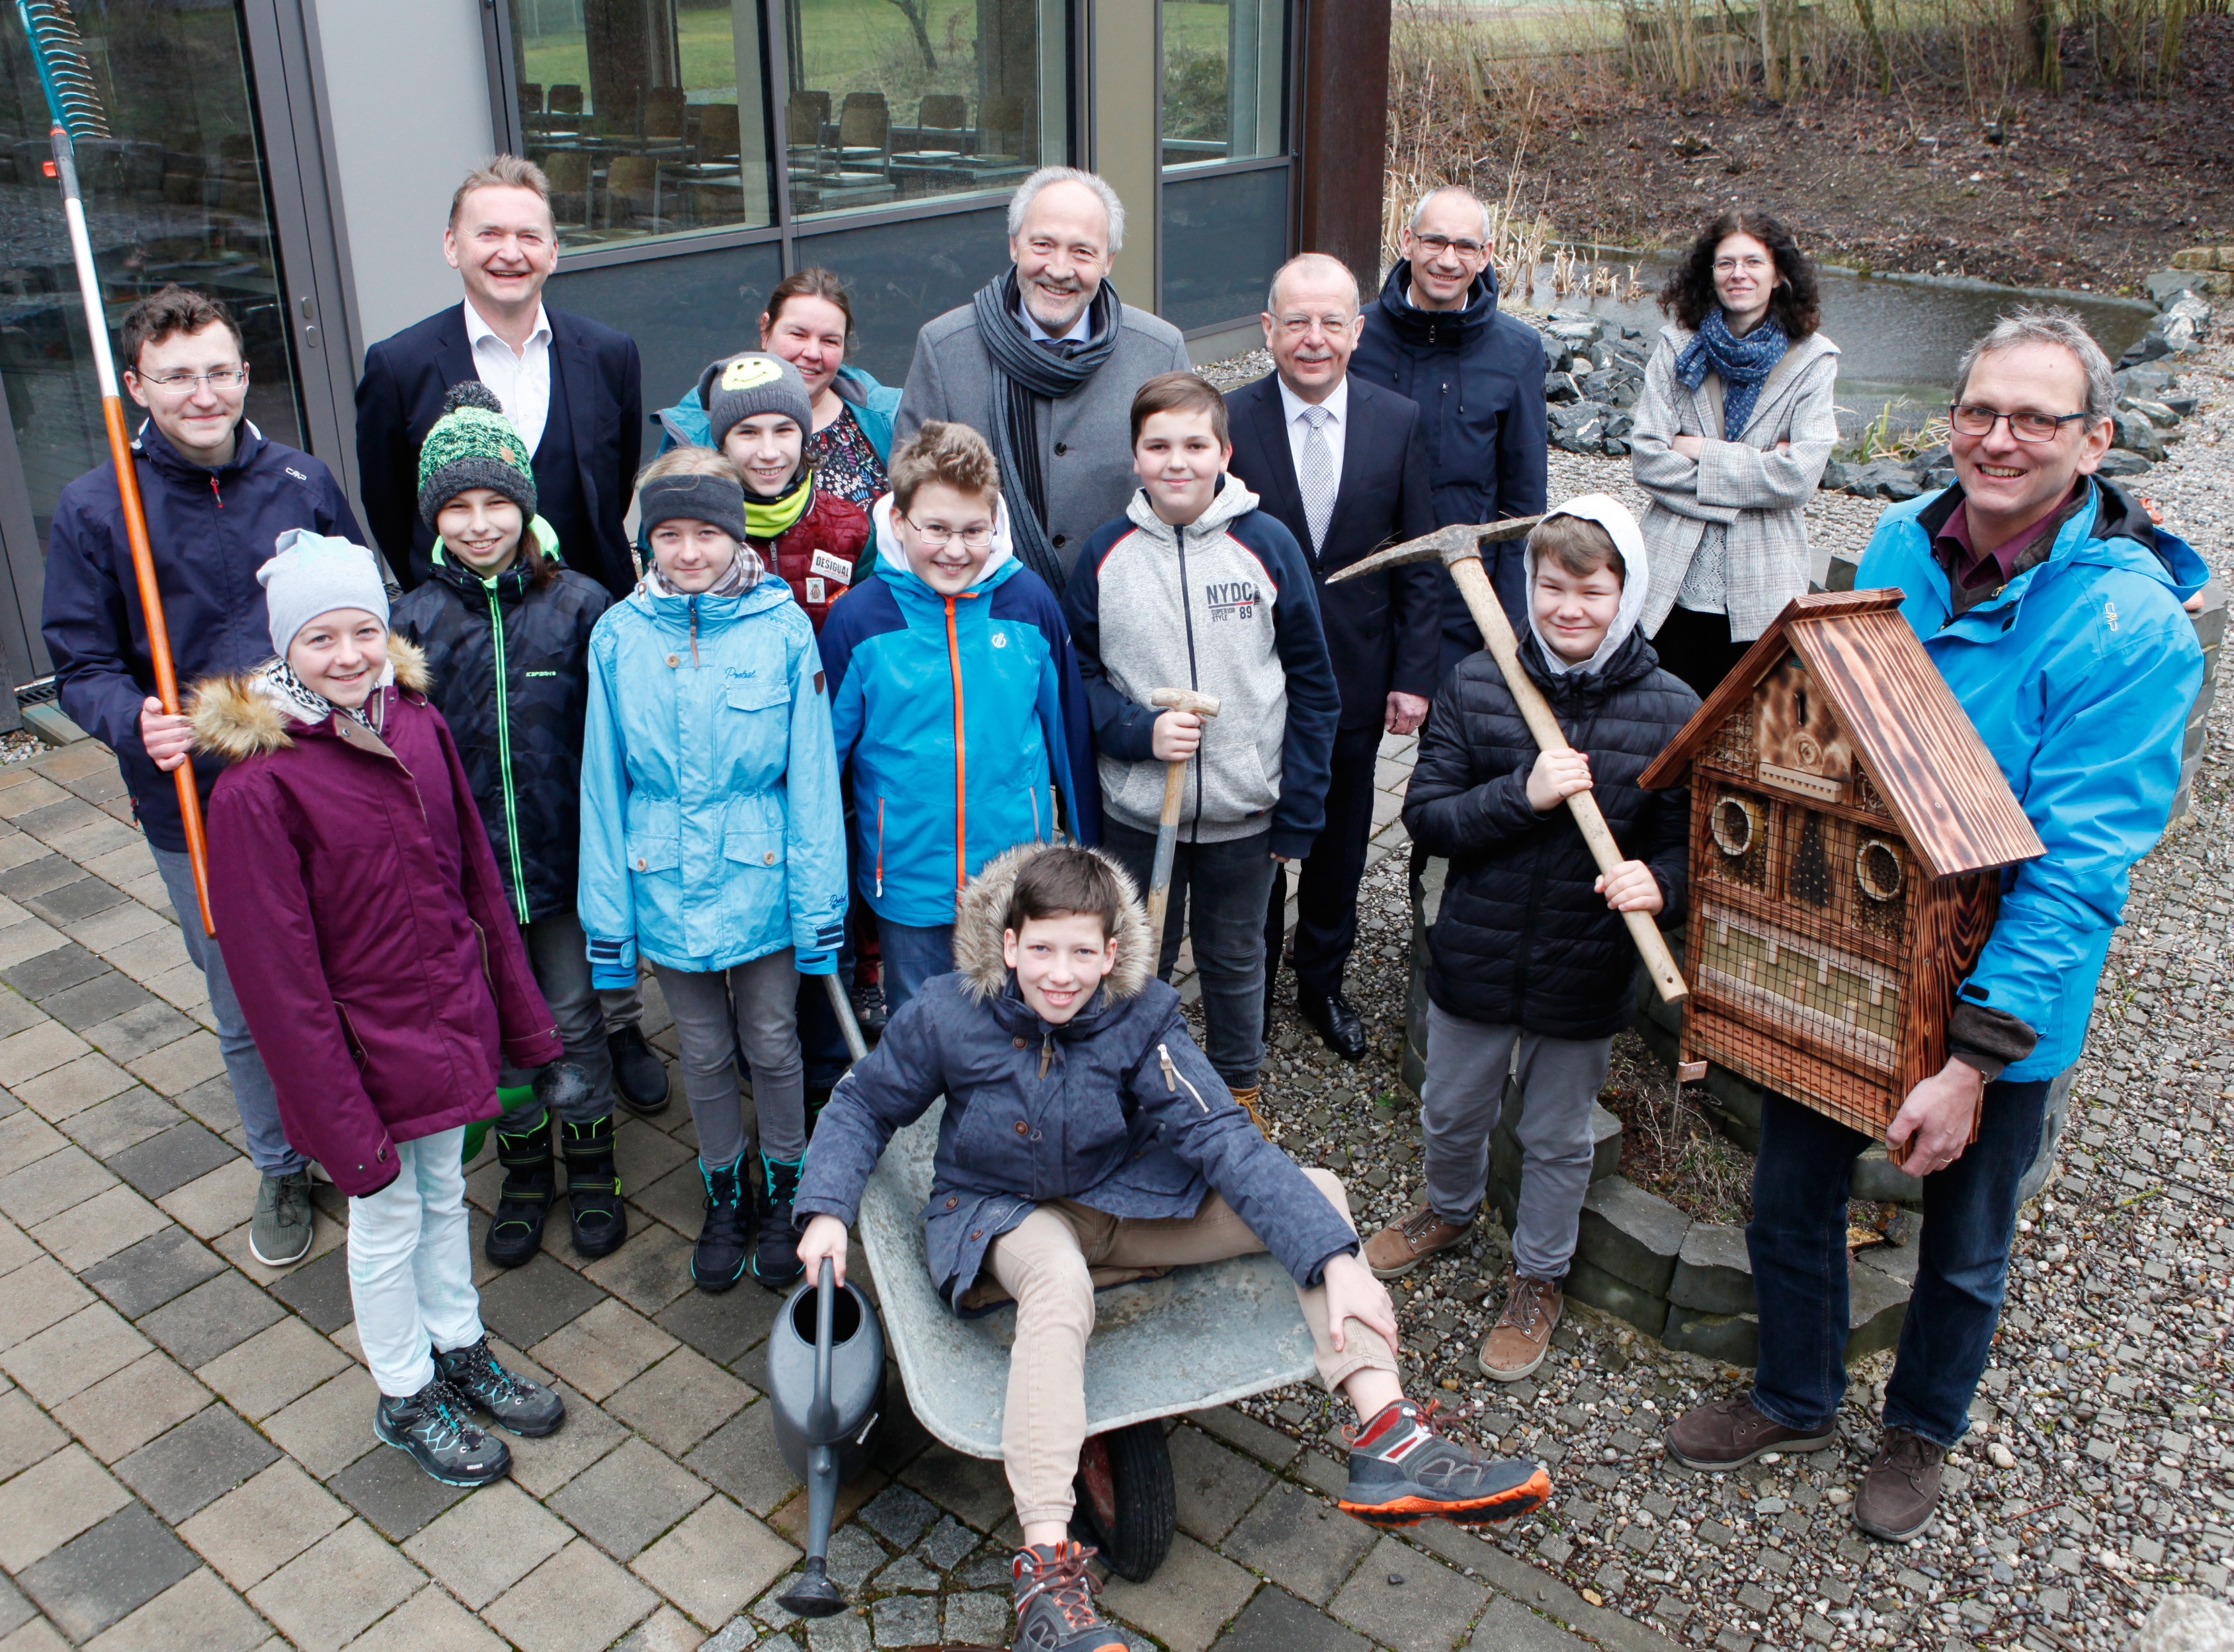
(521,382)
(1337,404)
(1081,331)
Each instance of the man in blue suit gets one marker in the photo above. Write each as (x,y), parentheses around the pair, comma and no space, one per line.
(571,385)
(1339,461)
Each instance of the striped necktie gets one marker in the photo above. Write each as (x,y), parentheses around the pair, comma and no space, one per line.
(1316,475)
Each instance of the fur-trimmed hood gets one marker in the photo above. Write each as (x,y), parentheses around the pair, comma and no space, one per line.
(235,719)
(983,904)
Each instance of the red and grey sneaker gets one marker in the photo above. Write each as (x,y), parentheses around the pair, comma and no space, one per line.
(1403,1470)
(1055,1602)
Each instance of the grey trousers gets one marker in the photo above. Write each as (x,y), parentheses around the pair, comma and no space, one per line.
(1460,1101)
(251,1086)
(558,955)
(624,1007)
(754,1008)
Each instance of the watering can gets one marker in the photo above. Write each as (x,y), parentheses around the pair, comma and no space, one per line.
(827,1390)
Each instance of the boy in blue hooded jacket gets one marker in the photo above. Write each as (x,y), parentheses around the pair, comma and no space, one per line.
(2052,606)
(955,701)
(1085,1140)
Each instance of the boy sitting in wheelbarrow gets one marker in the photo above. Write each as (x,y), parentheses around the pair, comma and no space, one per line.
(1086,1141)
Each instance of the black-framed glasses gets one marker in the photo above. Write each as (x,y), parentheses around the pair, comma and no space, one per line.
(975,538)
(1436,245)
(1969,418)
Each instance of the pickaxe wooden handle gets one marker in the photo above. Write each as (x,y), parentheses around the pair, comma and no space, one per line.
(1167,826)
(1458,549)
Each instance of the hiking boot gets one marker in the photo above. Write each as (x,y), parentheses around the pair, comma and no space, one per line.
(509,1400)
(1402,1246)
(516,1230)
(638,1074)
(776,1253)
(432,1425)
(593,1187)
(869,1014)
(281,1232)
(1403,1470)
(1900,1488)
(725,1237)
(1517,1343)
(1728,1432)
(1054,1601)
(1251,1102)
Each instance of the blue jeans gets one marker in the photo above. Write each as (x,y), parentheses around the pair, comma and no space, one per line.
(912,956)
(251,1086)
(1798,1242)
(1220,892)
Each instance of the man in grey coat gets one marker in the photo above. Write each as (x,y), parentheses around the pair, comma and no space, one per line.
(1044,362)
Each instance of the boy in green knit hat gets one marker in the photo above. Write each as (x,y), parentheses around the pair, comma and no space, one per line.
(506,628)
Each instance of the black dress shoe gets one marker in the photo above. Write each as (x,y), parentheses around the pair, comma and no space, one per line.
(1337,1023)
(638,1074)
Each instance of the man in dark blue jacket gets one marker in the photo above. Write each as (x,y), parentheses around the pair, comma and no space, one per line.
(216,494)
(1435,335)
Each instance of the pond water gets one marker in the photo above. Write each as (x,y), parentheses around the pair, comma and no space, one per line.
(1898,336)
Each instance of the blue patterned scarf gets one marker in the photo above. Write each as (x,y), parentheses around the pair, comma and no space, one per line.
(1743,364)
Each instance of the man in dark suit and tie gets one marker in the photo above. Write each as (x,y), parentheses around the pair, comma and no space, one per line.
(573,389)
(571,385)
(1340,463)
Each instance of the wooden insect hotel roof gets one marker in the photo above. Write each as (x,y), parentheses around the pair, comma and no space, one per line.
(1922,753)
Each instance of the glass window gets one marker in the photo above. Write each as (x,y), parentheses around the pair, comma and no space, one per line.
(1224,71)
(646,114)
(177,193)
(895,100)
(898,276)
(1223,235)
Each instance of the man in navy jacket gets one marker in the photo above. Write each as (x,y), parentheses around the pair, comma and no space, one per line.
(216,493)
(573,386)
(1436,336)
(1339,462)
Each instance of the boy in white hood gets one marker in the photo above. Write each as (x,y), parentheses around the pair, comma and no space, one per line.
(1528,947)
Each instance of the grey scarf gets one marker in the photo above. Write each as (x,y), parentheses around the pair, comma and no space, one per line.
(1031,371)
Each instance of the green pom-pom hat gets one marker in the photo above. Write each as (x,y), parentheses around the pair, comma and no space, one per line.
(474,445)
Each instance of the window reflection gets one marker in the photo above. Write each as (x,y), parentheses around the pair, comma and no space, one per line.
(633,110)
(894,101)
(176,194)
(1223,74)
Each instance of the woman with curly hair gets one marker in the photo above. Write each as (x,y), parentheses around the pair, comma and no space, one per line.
(1734,426)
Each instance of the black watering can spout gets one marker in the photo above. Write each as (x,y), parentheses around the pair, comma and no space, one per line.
(814,1595)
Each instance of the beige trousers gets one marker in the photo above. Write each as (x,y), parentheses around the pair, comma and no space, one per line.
(1043,1263)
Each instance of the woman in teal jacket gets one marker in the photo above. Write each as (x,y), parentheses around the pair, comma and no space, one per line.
(809,322)
(712,841)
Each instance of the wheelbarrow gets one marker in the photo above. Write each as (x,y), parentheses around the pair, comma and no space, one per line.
(1197,1338)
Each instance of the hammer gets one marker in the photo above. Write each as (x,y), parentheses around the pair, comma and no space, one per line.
(1167,828)
(1458,549)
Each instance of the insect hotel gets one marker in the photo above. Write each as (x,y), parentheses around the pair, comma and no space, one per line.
(1847,826)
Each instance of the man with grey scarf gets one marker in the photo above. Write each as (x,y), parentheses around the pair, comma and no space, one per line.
(1044,362)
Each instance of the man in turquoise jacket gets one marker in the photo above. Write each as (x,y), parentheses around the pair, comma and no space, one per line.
(2052,606)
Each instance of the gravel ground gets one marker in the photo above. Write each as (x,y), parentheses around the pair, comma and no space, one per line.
(2097,1476)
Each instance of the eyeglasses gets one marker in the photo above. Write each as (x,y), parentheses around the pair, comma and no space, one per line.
(224,379)
(975,538)
(1752,264)
(1971,420)
(1435,246)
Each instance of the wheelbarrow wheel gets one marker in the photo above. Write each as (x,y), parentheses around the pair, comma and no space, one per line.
(1126,1507)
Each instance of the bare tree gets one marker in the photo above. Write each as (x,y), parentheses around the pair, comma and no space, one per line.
(913,11)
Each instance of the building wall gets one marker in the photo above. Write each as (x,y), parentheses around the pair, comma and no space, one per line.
(408,95)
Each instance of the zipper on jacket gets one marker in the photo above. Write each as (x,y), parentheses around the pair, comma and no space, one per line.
(880,845)
(504,757)
(1194,670)
(1047,1051)
(216,492)
(1171,1074)
(961,758)
(694,633)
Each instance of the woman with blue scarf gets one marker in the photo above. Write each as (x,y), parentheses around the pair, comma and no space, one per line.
(1734,426)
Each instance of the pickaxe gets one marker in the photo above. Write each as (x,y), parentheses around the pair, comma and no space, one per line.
(1167,826)
(1458,549)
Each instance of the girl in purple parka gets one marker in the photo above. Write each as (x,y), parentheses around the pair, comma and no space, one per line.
(385,979)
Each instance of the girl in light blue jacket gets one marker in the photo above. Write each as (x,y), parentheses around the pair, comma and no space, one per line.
(712,842)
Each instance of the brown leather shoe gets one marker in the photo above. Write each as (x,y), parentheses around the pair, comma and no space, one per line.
(1251,1101)
(1900,1488)
(1522,1335)
(1725,1434)
(1402,1246)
